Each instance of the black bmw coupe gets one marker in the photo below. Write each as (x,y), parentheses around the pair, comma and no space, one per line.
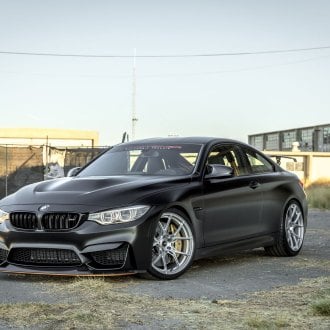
(153,206)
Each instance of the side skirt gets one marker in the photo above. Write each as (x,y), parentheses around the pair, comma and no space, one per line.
(251,243)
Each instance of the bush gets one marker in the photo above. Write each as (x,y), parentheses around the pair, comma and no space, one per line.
(318,195)
(322,307)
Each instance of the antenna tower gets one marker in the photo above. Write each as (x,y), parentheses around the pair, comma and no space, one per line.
(134,118)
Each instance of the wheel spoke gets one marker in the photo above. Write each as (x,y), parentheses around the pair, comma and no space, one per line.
(179,229)
(294,240)
(182,238)
(162,228)
(295,235)
(298,217)
(289,215)
(294,210)
(164,262)
(160,225)
(182,253)
(175,258)
(290,238)
(169,219)
(157,259)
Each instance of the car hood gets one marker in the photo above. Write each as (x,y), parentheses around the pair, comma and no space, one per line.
(100,192)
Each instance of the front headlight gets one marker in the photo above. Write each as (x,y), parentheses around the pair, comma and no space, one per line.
(3,216)
(121,215)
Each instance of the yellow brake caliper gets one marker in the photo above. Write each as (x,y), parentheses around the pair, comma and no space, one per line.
(178,243)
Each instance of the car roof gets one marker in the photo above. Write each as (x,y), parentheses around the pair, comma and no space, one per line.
(191,139)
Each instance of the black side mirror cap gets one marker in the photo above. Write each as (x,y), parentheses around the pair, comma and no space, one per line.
(217,171)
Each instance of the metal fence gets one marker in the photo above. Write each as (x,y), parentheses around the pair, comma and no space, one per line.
(22,164)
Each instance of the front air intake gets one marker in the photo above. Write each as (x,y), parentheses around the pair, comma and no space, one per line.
(43,257)
(3,255)
(114,259)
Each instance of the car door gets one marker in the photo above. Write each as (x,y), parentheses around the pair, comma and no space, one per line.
(272,185)
(232,206)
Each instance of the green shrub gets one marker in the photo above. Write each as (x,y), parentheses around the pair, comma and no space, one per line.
(318,196)
(322,307)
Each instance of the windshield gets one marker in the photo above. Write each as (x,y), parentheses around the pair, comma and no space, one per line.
(146,159)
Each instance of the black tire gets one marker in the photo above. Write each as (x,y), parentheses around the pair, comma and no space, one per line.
(292,232)
(173,248)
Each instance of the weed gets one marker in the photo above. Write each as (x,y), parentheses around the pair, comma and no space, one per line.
(322,307)
(261,323)
(318,195)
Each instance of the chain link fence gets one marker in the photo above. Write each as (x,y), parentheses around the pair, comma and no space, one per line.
(23,164)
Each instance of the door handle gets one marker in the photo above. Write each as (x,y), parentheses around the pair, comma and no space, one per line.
(254,184)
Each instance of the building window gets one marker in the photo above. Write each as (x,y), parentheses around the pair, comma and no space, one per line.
(326,139)
(288,139)
(272,141)
(257,141)
(306,143)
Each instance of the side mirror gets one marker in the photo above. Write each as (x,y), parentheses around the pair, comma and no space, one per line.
(217,171)
(73,171)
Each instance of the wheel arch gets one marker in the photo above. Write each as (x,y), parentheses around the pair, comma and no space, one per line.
(196,224)
(181,209)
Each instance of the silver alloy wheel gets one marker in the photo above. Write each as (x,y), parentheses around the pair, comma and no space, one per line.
(173,244)
(294,227)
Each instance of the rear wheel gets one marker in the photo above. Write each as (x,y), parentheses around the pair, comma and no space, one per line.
(292,232)
(173,246)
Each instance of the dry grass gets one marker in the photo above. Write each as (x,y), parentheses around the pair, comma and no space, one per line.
(301,262)
(106,303)
(318,195)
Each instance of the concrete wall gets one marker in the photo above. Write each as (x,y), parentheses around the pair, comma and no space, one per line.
(309,166)
(51,137)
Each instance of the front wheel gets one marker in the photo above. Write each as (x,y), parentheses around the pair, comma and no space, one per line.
(292,232)
(173,246)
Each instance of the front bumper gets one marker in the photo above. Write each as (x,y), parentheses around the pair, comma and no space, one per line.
(88,249)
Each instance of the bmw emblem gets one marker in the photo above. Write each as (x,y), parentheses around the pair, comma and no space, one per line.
(44,207)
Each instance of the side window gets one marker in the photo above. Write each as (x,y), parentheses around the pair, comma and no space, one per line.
(258,163)
(227,155)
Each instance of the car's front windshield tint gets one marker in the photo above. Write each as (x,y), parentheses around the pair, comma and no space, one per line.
(145,159)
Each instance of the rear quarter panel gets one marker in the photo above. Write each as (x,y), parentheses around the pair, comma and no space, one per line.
(278,189)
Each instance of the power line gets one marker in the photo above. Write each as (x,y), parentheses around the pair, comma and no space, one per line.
(173,74)
(263,52)
(217,72)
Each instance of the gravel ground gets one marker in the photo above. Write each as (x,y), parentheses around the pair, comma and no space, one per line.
(233,278)
(230,277)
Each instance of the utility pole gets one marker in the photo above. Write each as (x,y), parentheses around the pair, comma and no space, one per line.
(134,118)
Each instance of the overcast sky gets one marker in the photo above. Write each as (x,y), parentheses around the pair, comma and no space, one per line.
(224,96)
